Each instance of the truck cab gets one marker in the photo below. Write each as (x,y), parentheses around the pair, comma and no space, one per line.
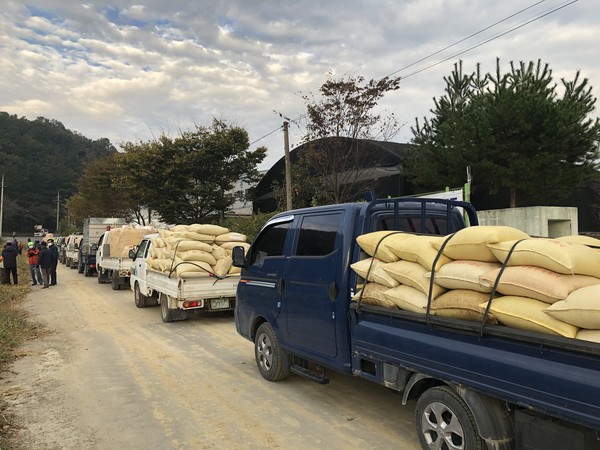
(139,270)
(297,279)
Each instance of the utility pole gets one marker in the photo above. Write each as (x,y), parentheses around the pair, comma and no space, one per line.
(57,211)
(1,204)
(288,166)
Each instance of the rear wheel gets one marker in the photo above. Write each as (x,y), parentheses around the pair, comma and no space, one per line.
(170,315)
(115,282)
(271,360)
(445,422)
(140,299)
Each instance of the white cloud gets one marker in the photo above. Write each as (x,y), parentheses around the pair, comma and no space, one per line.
(129,72)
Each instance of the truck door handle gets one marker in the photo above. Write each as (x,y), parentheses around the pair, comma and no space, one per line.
(280,285)
(332,291)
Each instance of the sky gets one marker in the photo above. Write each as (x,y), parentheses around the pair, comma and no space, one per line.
(130,71)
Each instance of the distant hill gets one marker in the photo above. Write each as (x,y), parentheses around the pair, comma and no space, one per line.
(39,158)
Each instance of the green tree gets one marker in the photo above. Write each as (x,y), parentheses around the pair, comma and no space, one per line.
(338,120)
(515,130)
(100,193)
(41,158)
(187,178)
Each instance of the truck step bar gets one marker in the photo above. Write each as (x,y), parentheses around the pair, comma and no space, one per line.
(309,374)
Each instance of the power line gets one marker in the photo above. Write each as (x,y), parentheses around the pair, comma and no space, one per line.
(548,12)
(527,22)
(466,38)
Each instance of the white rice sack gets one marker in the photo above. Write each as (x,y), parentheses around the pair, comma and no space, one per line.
(194,236)
(221,268)
(178,228)
(207,228)
(182,245)
(196,255)
(219,252)
(231,237)
(158,242)
(230,245)
(199,268)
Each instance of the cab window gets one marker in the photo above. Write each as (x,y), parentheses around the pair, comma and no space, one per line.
(318,234)
(270,242)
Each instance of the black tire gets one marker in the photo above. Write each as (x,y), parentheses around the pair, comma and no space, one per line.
(114,282)
(141,301)
(271,360)
(170,315)
(100,277)
(445,422)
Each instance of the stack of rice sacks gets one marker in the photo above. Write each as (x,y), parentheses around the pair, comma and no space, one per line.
(123,239)
(197,250)
(549,285)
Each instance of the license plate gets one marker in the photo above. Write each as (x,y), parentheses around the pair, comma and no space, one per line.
(219,303)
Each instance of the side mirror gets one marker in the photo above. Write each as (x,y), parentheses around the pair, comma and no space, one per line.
(238,258)
(132,253)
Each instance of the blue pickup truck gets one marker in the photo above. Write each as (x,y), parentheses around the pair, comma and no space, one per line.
(476,386)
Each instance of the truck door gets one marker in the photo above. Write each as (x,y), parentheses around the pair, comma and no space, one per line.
(259,290)
(138,267)
(311,283)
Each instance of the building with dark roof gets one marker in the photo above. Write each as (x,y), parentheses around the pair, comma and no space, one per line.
(385,168)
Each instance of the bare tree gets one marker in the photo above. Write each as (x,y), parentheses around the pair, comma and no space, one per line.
(340,124)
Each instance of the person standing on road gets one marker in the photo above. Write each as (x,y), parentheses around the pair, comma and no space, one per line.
(9,256)
(34,267)
(45,260)
(54,252)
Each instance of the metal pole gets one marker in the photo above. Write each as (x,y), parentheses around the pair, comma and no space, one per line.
(57,211)
(288,166)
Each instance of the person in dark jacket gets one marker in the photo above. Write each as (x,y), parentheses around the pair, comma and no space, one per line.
(9,255)
(54,252)
(45,262)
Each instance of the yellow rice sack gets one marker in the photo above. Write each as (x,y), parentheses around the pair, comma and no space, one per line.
(381,241)
(589,335)
(528,314)
(550,254)
(372,294)
(420,249)
(412,274)
(464,274)
(471,243)
(373,268)
(536,282)
(407,298)
(462,304)
(581,308)
(579,239)
(231,237)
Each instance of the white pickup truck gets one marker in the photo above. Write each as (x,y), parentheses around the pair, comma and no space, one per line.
(72,252)
(113,263)
(179,296)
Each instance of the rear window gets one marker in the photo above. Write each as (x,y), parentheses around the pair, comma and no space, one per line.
(413,224)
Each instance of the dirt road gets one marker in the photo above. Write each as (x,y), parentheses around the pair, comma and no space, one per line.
(111,376)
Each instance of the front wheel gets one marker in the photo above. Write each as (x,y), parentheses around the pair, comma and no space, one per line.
(271,359)
(445,422)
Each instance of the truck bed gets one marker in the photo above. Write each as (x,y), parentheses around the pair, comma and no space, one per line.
(192,288)
(551,374)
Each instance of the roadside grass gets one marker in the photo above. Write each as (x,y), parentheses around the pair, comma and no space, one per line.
(14,329)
